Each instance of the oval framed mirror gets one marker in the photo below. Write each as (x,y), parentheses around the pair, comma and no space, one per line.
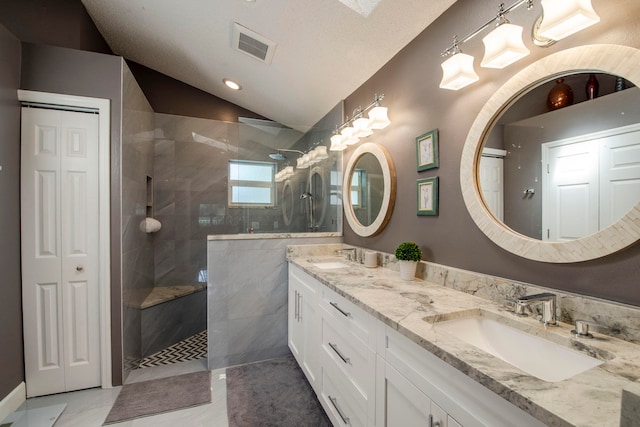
(369,189)
(287,203)
(316,186)
(612,59)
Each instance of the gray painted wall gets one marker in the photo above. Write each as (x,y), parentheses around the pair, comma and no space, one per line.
(416,104)
(11,356)
(48,69)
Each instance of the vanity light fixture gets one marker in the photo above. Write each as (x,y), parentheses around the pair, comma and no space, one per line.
(457,71)
(504,45)
(566,17)
(305,160)
(350,132)
(232,84)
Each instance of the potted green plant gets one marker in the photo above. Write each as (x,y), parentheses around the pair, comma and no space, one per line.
(408,254)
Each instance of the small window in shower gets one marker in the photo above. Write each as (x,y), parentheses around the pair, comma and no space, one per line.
(251,184)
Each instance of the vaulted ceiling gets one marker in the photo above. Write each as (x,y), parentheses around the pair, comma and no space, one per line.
(323,50)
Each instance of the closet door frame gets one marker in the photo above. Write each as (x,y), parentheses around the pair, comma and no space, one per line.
(104,176)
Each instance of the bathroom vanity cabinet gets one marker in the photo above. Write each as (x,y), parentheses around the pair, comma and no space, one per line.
(368,374)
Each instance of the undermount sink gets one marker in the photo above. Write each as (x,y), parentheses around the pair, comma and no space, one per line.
(330,265)
(536,356)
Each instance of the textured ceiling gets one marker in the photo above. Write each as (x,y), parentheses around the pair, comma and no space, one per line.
(325,48)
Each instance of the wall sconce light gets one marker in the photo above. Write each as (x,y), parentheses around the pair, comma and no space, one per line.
(563,18)
(350,132)
(504,45)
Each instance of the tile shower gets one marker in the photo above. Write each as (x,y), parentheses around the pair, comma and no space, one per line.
(175,169)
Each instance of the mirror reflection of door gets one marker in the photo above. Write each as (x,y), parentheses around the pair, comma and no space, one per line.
(589,183)
(492,180)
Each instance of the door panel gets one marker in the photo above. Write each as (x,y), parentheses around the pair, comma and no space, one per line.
(620,176)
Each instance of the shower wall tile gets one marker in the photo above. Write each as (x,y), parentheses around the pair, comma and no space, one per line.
(247,298)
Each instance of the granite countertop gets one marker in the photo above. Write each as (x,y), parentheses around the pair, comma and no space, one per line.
(588,399)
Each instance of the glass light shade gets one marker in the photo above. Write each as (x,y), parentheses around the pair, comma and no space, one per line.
(289,170)
(312,157)
(361,126)
(321,152)
(338,147)
(348,136)
(301,163)
(378,118)
(503,46)
(337,144)
(336,141)
(458,72)
(563,18)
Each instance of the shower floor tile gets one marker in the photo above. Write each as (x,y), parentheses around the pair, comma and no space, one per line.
(192,348)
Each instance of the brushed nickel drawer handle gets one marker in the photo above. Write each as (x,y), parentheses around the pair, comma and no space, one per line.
(344,313)
(334,402)
(334,347)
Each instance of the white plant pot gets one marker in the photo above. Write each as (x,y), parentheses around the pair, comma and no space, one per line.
(408,269)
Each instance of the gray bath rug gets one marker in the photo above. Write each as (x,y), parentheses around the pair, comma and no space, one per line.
(274,393)
(162,395)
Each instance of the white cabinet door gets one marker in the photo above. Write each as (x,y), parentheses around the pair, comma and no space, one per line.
(304,323)
(403,404)
(59,208)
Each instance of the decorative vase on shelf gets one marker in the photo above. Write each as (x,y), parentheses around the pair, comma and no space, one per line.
(560,96)
(592,87)
(621,84)
(408,269)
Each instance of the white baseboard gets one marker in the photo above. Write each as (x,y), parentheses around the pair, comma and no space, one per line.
(13,400)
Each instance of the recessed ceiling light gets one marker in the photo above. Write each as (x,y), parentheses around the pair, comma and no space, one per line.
(231,84)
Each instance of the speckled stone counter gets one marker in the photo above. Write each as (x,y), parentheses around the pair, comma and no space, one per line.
(592,398)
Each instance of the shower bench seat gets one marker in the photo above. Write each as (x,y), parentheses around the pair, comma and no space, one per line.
(169,314)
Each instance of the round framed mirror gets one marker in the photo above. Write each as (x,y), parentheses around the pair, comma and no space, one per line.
(609,236)
(369,189)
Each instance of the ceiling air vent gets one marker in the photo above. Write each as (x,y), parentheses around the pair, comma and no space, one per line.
(253,44)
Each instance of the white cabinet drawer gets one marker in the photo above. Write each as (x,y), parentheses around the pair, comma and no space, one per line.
(350,355)
(349,316)
(340,400)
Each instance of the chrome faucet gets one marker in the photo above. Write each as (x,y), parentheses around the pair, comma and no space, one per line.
(349,252)
(548,301)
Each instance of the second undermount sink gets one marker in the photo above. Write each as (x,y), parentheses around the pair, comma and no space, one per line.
(536,356)
(330,265)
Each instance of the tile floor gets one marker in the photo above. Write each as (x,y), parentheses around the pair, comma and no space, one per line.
(89,408)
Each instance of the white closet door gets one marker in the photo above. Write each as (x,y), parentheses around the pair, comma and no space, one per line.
(59,193)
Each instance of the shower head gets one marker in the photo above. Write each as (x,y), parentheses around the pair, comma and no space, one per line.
(306,195)
(277,156)
(280,157)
